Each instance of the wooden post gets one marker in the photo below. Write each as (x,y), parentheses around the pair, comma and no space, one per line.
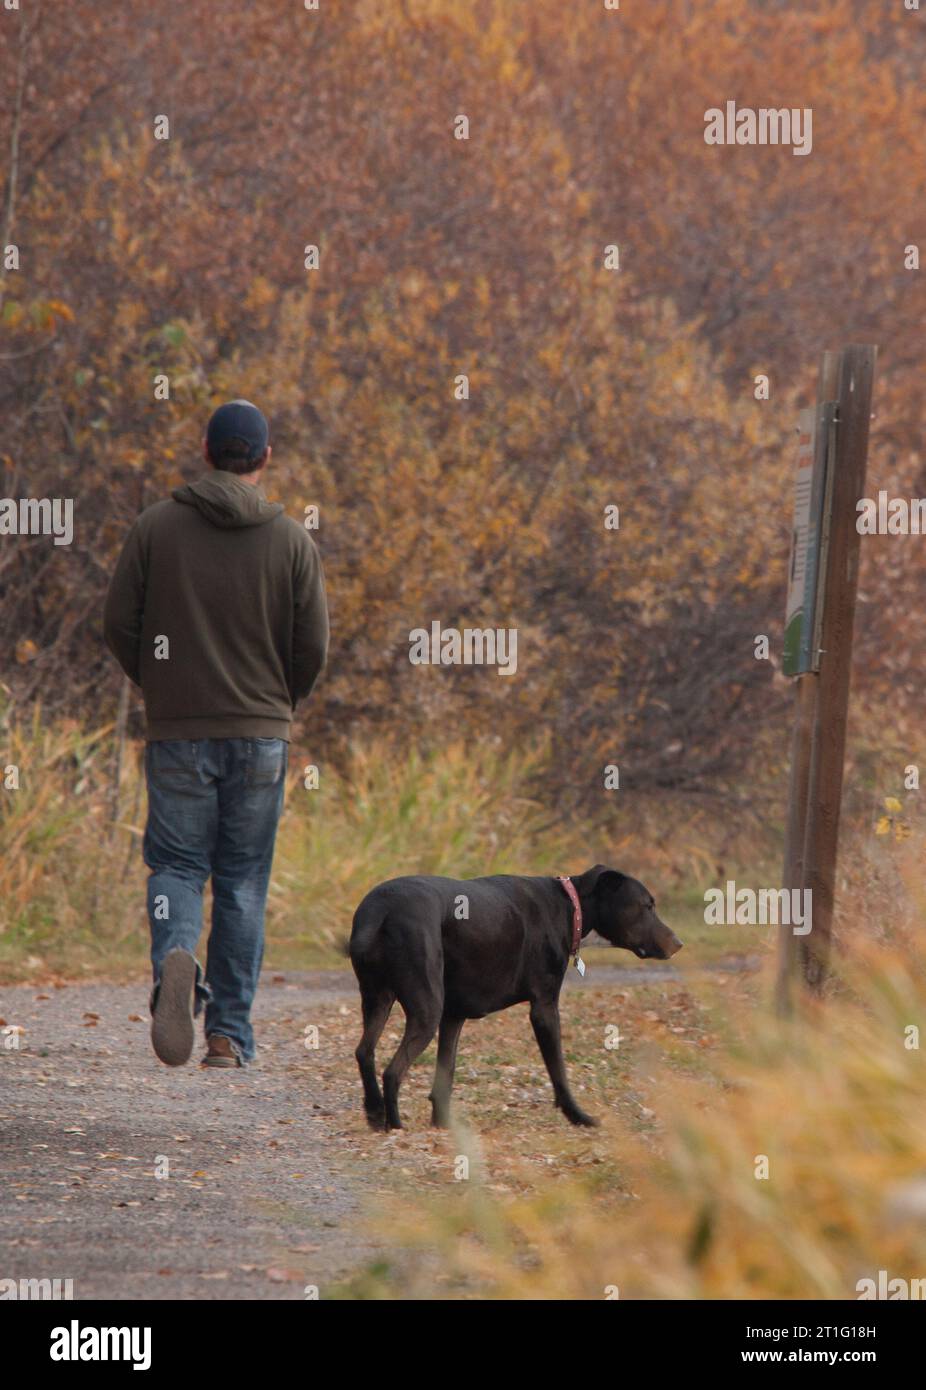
(821,836)
(805,715)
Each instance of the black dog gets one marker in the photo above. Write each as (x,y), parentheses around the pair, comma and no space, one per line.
(452,949)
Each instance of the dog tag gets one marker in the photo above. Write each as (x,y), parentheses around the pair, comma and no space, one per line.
(579,964)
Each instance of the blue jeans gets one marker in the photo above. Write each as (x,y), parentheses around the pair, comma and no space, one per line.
(213,808)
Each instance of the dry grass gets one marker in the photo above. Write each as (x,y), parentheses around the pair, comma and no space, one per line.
(72,899)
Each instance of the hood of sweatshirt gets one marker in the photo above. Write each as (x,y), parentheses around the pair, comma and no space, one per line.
(227,502)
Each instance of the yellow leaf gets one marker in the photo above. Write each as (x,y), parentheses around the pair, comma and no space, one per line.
(62,310)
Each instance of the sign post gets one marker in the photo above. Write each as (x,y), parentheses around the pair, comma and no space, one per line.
(825,578)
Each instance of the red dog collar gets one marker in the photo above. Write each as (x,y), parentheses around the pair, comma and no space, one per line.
(573,897)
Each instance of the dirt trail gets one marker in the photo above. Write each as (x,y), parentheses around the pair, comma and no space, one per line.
(260,1195)
(271,1173)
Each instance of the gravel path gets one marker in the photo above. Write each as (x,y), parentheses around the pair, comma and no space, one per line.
(136,1180)
(260,1195)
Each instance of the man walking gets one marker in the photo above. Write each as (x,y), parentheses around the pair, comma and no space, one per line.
(217,610)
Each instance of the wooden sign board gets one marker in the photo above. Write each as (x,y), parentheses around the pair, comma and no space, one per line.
(809,536)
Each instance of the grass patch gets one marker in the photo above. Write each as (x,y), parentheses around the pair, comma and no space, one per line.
(72,879)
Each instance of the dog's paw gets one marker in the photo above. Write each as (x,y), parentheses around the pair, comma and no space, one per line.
(579,1117)
(376,1119)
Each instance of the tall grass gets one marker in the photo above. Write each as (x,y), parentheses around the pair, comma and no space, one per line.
(72,876)
(461,811)
(71,871)
(63,856)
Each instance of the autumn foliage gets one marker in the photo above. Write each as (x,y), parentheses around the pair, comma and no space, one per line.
(441,257)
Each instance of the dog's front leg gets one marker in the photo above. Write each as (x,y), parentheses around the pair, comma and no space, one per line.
(447,1039)
(545,1022)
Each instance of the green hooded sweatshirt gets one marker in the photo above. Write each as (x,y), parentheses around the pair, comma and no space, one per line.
(217,610)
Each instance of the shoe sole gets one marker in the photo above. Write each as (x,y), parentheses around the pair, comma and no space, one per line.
(172,1025)
(216,1063)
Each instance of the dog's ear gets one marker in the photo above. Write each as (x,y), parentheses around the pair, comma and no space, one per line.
(598,877)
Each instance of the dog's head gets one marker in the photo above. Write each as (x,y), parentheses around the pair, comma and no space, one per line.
(624,912)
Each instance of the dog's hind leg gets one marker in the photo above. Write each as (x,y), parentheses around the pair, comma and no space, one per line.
(377,1005)
(421,1020)
(447,1039)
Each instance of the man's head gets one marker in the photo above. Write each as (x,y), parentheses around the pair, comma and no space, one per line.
(237,439)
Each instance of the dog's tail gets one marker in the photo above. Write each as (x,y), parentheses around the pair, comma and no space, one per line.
(368,919)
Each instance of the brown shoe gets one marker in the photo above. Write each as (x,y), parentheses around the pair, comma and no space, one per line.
(220,1052)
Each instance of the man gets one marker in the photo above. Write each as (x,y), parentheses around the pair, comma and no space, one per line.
(217,610)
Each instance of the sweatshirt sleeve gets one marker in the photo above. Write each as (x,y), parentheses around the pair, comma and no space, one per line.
(124,607)
(310,619)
